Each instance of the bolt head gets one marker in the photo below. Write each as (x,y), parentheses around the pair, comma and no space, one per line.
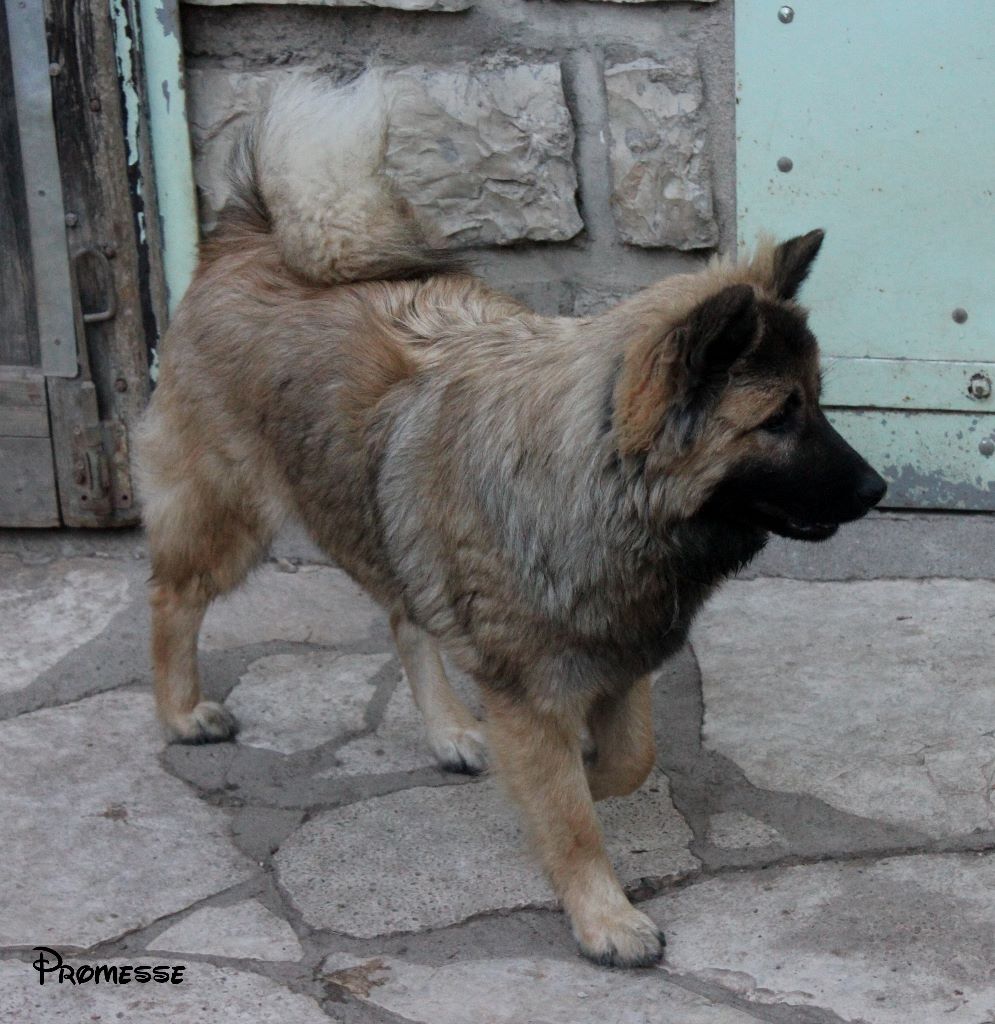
(786,15)
(959,316)
(71,220)
(987,447)
(120,384)
(784,164)
(980,386)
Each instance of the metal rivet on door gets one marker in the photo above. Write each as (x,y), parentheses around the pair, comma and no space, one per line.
(784,164)
(786,15)
(987,447)
(980,386)
(959,316)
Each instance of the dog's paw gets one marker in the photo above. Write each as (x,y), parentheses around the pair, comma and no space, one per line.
(629,939)
(209,722)
(460,749)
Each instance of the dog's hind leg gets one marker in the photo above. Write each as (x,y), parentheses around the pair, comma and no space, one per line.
(455,736)
(201,546)
(538,754)
(625,750)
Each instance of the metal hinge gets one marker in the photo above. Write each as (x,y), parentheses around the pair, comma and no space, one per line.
(101,475)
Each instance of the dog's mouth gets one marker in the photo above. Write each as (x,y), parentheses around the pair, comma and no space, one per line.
(794,529)
(804,531)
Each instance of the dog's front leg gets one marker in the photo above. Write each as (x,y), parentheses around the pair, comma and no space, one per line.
(538,753)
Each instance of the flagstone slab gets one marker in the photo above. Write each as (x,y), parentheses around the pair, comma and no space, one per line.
(399,742)
(207,995)
(49,610)
(518,990)
(397,745)
(877,697)
(891,942)
(317,604)
(294,702)
(243,930)
(429,857)
(734,830)
(97,838)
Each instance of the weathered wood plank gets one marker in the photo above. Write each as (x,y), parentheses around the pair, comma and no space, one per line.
(23,407)
(18,326)
(27,482)
(107,253)
(32,76)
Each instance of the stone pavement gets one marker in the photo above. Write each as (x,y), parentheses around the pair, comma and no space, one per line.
(818,841)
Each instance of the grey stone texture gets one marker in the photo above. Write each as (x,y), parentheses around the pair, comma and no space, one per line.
(396,745)
(97,838)
(898,940)
(243,931)
(207,995)
(519,989)
(46,616)
(483,155)
(662,192)
(814,842)
(877,697)
(531,131)
(734,830)
(401,5)
(220,105)
(485,865)
(294,702)
(336,610)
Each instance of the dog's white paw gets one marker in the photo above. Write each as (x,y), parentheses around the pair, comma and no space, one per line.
(625,938)
(460,749)
(209,722)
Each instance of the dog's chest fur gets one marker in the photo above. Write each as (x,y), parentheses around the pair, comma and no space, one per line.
(529,548)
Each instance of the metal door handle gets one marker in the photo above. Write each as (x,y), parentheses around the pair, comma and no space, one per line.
(107,274)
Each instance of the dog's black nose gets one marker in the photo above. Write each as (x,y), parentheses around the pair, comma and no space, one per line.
(871,488)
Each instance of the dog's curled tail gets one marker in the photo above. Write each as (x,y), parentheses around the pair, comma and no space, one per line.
(311,172)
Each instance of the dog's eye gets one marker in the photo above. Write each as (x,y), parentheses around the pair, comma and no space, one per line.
(783,419)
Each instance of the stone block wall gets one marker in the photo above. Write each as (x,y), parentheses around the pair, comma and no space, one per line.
(577,149)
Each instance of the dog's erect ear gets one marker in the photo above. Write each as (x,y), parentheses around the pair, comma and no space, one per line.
(713,337)
(793,260)
(679,374)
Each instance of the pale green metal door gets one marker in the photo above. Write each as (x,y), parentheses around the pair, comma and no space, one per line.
(876,121)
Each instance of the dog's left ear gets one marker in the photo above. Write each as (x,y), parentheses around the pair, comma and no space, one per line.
(678,375)
(716,334)
(793,260)
(713,337)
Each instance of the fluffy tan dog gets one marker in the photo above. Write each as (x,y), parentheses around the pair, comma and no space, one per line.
(552,499)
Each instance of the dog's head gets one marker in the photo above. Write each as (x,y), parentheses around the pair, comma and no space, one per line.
(723,406)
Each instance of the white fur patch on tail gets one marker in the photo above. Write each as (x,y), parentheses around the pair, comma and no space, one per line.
(318,155)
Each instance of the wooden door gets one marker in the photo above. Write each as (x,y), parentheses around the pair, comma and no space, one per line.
(77,289)
(28,495)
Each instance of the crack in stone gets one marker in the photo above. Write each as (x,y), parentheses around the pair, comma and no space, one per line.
(771,1013)
(705,782)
